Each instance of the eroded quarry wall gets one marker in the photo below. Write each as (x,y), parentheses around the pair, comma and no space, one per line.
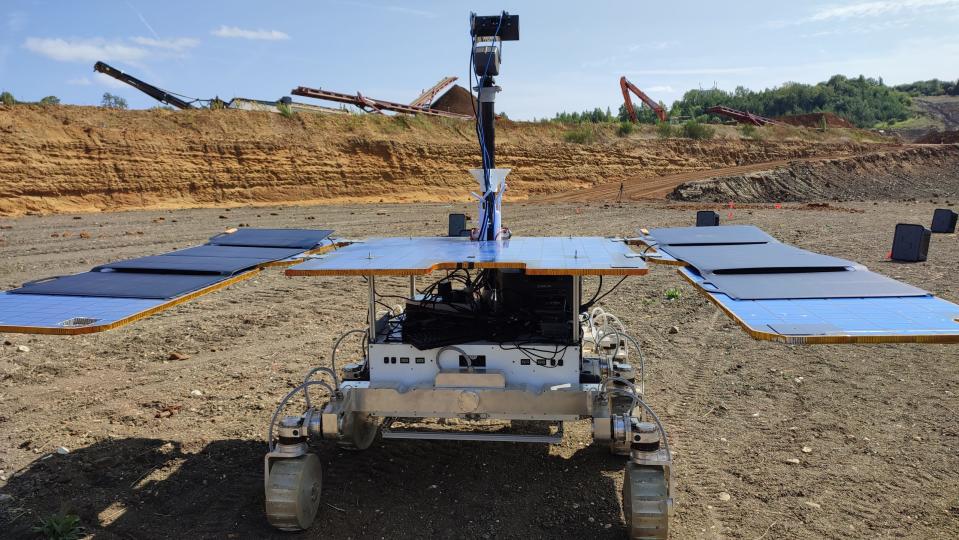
(916,172)
(55,159)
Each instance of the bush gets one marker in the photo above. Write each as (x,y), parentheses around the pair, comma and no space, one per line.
(7,99)
(664,130)
(625,128)
(50,100)
(694,130)
(580,135)
(111,101)
(749,131)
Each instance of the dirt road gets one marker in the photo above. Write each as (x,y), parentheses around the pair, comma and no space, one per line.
(149,458)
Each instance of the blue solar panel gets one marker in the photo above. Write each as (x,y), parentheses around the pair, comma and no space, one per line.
(745,263)
(903,317)
(277,238)
(121,291)
(43,311)
(121,285)
(261,253)
(185,264)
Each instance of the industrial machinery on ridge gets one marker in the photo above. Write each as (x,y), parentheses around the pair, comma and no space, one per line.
(495,326)
(628,87)
(423,104)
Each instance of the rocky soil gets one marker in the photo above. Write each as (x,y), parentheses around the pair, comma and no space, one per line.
(923,172)
(164,420)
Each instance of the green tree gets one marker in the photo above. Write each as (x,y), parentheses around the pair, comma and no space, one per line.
(864,101)
(111,101)
(7,99)
(50,100)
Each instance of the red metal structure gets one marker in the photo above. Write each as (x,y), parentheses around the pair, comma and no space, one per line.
(628,87)
(426,98)
(743,117)
(370,104)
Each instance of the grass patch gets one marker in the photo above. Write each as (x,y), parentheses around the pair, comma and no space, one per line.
(673,293)
(285,110)
(749,131)
(696,131)
(625,129)
(664,130)
(59,527)
(580,135)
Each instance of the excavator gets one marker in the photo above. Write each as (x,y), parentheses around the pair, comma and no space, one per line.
(628,87)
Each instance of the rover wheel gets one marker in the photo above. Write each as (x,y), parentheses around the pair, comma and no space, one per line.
(359,431)
(293,492)
(645,502)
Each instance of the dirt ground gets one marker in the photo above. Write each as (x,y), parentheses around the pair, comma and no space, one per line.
(149,459)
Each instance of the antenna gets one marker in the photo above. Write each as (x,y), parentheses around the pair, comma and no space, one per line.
(488,33)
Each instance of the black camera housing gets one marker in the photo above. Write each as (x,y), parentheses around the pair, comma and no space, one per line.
(486,26)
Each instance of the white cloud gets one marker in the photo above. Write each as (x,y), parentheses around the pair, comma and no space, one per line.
(876,9)
(172,44)
(84,50)
(79,81)
(234,32)
(666,89)
(695,71)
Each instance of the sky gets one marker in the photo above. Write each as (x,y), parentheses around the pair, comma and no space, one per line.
(569,57)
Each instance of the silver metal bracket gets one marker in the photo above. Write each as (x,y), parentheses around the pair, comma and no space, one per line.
(554,438)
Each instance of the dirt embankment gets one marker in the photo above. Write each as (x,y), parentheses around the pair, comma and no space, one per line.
(916,172)
(69,159)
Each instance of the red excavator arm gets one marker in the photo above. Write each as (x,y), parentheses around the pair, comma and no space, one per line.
(627,87)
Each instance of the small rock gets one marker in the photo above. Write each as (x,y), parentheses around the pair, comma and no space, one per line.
(793,461)
(5,497)
(85,235)
(807,450)
(815,506)
(608,526)
(755,415)
(178,356)
(433,486)
(673,329)
(590,519)
(23,348)
(725,497)
(196,393)
(916,438)
(63,450)
(8,343)
(798,380)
